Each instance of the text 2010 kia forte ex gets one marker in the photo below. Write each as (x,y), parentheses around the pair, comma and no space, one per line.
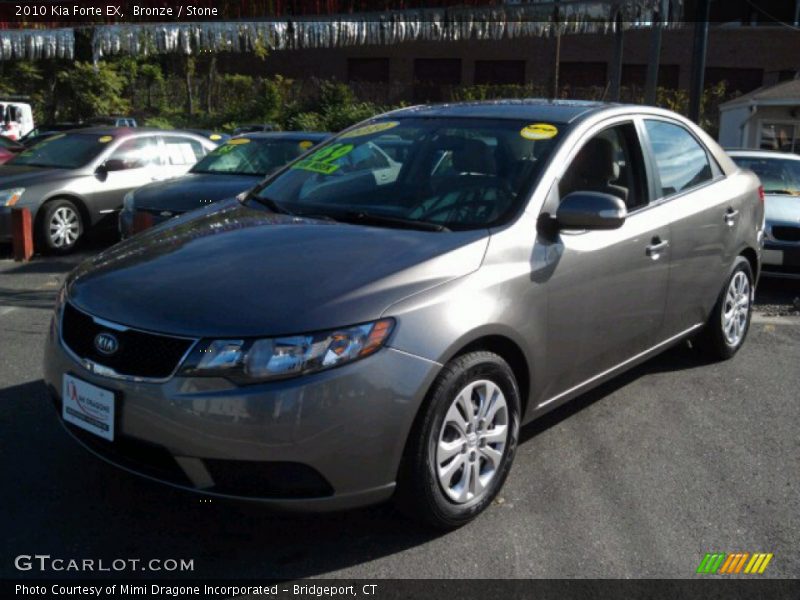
(357,327)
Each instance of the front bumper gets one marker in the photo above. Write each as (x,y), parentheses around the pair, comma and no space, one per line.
(338,435)
(781,259)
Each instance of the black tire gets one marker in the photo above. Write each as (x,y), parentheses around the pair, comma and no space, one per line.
(49,242)
(712,341)
(419,493)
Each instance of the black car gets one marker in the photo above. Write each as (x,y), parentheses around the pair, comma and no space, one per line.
(233,167)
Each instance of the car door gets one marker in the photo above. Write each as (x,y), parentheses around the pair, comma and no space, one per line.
(127,167)
(179,154)
(605,289)
(704,218)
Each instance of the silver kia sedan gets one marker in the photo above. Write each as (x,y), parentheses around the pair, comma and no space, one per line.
(339,335)
(73,180)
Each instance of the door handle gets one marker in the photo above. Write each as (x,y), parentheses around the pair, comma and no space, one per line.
(730,217)
(655,249)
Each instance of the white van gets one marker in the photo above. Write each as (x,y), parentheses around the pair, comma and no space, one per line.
(16,119)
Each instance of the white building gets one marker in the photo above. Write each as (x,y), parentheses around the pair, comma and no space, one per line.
(767,118)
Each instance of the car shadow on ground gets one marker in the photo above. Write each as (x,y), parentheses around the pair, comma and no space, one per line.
(109,513)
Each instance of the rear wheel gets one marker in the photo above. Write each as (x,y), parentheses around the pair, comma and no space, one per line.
(727,327)
(60,227)
(462,446)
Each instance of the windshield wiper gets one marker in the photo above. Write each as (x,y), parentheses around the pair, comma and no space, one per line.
(271,204)
(376,219)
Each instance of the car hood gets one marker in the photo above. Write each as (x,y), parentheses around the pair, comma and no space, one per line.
(12,175)
(192,191)
(781,208)
(233,270)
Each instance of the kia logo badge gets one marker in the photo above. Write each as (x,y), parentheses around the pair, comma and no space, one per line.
(106,343)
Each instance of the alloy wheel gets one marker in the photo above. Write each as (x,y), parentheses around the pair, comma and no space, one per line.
(736,309)
(472,441)
(64,227)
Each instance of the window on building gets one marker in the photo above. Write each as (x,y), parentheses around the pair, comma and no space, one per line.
(499,72)
(636,75)
(582,74)
(433,75)
(736,80)
(779,136)
(372,70)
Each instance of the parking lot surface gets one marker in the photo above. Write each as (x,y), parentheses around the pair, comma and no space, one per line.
(639,478)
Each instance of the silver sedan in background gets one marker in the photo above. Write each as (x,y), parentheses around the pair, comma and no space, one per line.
(72,180)
(780,177)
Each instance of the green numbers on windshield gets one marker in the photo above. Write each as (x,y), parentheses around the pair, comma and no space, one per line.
(322,161)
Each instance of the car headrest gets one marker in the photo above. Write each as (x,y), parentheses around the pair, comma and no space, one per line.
(596,161)
(474,156)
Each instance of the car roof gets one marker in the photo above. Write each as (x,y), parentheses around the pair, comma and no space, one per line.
(559,111)
(286,135)
(745,153)
(126,131)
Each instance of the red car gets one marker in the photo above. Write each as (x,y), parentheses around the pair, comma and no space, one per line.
(9,149)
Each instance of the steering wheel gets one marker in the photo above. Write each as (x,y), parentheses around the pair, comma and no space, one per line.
(463,184)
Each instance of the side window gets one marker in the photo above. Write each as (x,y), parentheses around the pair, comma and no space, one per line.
(681,161)
(182,151)
(136,153)
(612,163)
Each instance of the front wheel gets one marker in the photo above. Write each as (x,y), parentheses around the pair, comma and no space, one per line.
(727,327)
(463,443)
(61,226)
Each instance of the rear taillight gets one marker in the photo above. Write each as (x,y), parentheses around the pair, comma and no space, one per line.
(142,221)
(761,193)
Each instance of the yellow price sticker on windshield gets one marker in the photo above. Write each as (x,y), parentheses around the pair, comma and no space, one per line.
(539,131)
(370,129)
(214,137)
(305,144)
(238,141)
(105,139)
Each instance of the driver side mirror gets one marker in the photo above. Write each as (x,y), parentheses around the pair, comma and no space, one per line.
(591,210)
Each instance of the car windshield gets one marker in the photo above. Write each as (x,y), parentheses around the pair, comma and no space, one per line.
(777,175)
(63,151)
(251,156)
(453,173)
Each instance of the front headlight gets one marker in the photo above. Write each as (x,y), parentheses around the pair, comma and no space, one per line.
(127,201)
(255,360)
(10,197)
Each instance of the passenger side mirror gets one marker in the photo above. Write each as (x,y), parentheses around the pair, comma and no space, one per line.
(591,210)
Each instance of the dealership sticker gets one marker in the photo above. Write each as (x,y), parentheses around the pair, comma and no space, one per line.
(323,161)
(105,139)
(238,141)
(305,144)
(214,137)
(370,129)
(539,131)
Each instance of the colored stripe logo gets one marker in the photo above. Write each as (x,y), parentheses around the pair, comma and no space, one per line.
(734,564)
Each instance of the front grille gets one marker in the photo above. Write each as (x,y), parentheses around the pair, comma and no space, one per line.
(139,354)
(786,233)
